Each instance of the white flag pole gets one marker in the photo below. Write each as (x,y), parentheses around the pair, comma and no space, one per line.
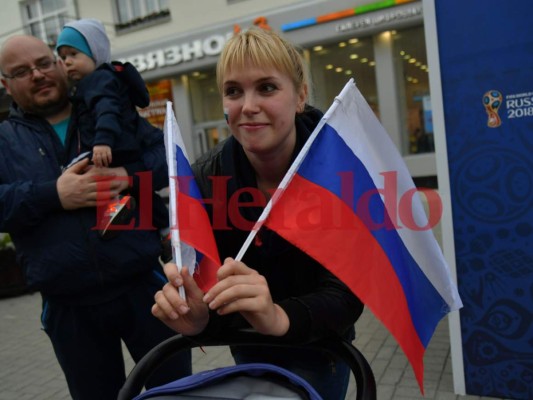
(169,131)
(291,172)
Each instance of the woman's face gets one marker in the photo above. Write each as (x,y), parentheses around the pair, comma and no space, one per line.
(260,105)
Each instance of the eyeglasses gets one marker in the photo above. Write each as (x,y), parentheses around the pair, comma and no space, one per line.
(43,67)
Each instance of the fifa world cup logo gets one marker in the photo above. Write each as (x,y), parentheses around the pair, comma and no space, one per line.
(492,100)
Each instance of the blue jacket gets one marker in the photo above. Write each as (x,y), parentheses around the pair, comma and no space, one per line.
(62,254)
(105,103)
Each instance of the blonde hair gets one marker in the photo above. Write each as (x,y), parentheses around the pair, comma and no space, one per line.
(263,48)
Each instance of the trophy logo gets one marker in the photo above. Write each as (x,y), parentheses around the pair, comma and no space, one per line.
(492,100)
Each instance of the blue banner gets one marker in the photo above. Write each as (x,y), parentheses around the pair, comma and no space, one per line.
(486,56)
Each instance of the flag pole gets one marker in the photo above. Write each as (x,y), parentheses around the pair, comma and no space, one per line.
(172,183)
(291,172)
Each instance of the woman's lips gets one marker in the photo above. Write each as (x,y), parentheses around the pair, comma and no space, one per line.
(252,125)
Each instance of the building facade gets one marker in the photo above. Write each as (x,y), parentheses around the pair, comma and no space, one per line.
(175,46)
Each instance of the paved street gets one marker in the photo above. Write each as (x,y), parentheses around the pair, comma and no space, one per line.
(29,370)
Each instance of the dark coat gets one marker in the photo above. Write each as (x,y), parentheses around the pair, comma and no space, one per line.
(62,254)
(105,102)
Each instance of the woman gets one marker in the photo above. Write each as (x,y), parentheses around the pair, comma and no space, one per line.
(276,289)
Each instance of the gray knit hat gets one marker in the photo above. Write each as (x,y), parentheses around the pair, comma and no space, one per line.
(94,33)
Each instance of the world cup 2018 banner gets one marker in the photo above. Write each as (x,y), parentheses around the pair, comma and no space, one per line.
(486,61)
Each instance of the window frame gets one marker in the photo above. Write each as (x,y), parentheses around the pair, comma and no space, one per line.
(59,17)
(145,19)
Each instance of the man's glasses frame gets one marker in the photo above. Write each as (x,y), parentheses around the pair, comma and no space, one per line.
(43,66)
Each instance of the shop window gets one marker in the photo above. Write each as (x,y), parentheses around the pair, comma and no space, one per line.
(205,98)
(45,18)
(334,64)
(409,49)
(209,124)
(160,93)
(133,14)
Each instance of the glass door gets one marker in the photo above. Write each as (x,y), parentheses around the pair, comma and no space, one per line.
(208,134)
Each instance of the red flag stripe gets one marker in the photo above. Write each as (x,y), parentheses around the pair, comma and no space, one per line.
(194,227)
(320,224)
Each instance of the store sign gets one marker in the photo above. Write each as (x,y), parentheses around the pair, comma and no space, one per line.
(179,53)
(160,92)
(382,18)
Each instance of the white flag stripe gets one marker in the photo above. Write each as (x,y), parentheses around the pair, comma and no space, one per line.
(187,252)
(357,124)
(170,130)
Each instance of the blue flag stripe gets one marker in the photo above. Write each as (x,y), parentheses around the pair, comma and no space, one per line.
(329,158)
(184,170)
(189,187)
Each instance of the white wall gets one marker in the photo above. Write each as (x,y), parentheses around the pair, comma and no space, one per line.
(185,16)
(10,20)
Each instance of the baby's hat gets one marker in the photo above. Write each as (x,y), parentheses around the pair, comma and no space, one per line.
(88,36)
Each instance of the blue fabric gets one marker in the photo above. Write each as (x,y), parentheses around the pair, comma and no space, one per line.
(107,115)
(71,37)
(113,91)
(84,268)
(207,378)
(329,377)
(94,33)
(61,129)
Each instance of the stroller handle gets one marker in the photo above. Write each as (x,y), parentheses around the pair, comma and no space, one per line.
(364,377)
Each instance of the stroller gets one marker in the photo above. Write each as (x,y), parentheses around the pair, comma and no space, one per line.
(244,381)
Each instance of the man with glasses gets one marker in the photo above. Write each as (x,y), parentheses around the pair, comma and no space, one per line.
(43,66)
(96,293)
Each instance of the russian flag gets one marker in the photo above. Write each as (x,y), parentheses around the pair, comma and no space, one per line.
(349,201)
(193,242)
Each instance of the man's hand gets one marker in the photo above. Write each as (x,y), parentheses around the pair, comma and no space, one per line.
(83,185)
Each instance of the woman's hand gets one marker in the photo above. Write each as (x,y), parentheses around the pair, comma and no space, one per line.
(188,317)
(242,289)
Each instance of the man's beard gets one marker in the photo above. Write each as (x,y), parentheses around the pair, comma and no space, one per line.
(50,107)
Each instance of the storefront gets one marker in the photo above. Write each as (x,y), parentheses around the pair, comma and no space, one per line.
(380,45)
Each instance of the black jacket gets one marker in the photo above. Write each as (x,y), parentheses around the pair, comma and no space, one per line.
(61,252)
(317,303)
(105,103)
